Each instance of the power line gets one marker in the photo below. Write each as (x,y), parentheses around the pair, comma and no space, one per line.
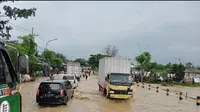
(24,30)
(42,44)
(17,26)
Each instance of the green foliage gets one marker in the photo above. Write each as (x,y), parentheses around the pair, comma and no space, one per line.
(12,13)
(189,65)
(143,58)
(177,69)
(93,61)
(49,55)
(28,45)
(61,56)
(57,62)
(56,59)
(82,61)
(144,62)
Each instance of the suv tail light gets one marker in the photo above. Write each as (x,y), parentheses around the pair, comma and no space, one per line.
(61,92)
(38,91)
(74,81)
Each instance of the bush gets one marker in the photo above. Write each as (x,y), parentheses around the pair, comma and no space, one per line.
(154,80)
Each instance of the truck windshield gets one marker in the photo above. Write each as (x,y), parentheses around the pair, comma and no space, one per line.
(4,71)
(121,78)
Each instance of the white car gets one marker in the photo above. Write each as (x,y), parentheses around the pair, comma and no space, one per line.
(78,76)
(72,79)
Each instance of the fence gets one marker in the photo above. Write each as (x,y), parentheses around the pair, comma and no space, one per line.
(168,92)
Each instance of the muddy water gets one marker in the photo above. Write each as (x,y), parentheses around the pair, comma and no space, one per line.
(87,98)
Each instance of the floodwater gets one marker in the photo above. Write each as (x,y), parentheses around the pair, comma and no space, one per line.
(87,98)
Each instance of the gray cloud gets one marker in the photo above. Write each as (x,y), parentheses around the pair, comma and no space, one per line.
(166,29)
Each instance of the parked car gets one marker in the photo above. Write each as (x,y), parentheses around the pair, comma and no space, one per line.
(72,79)
(54,92)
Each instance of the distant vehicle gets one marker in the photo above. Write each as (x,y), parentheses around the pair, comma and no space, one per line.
(74,68)
(54,92)
(78,76)
(114,77)
(72,79)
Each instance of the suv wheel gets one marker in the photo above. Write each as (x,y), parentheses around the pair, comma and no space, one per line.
(72,94)
(65,101)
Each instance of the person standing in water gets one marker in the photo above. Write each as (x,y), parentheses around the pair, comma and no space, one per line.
(86,77)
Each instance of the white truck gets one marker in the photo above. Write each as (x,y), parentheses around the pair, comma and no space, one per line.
(114,78)
(74,68)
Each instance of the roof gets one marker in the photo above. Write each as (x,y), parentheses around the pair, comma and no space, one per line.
(192,71)
(56,81)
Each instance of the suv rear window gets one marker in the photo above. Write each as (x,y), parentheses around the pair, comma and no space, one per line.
(70,77)
(50,86)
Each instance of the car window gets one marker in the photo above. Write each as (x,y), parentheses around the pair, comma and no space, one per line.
(49,86)
(70,77)
(68,85)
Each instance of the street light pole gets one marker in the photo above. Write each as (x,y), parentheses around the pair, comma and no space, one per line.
(47,44)
(50,41)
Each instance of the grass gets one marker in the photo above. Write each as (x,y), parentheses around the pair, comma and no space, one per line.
(189,85)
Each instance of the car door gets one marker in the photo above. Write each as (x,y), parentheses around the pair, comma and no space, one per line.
(69,88)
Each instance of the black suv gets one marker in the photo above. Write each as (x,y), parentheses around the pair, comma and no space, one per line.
(54,92)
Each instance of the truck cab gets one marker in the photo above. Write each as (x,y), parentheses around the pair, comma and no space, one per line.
(10,97)
(118,85)
(114,77)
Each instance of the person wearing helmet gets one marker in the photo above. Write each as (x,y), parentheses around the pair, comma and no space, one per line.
(65,77)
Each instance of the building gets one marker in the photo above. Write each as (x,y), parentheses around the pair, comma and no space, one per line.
(190,74)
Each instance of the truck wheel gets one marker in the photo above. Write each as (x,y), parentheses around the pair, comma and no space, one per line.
(104,92)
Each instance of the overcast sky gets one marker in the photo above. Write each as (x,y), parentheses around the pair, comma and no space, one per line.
(166,29)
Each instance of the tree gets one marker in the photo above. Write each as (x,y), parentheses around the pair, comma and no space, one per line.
(12,13)
(27,46)
(55,59)
(151,66)
(111,50)
(82,61)
(189,65)
(93,61)
(177,69)
(143,60)
(61,56)
(49,55)
(57,62)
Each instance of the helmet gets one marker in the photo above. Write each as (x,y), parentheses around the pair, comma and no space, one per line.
(64,77)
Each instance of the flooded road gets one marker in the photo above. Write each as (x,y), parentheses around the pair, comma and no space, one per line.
(87,98)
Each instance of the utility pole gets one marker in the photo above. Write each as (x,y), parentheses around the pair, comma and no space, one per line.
(142,69)
(30,43)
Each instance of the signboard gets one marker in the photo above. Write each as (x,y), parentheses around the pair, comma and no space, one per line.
(5,106)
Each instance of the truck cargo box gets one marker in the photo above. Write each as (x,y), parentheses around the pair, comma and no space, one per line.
(73,67)
(112,65)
